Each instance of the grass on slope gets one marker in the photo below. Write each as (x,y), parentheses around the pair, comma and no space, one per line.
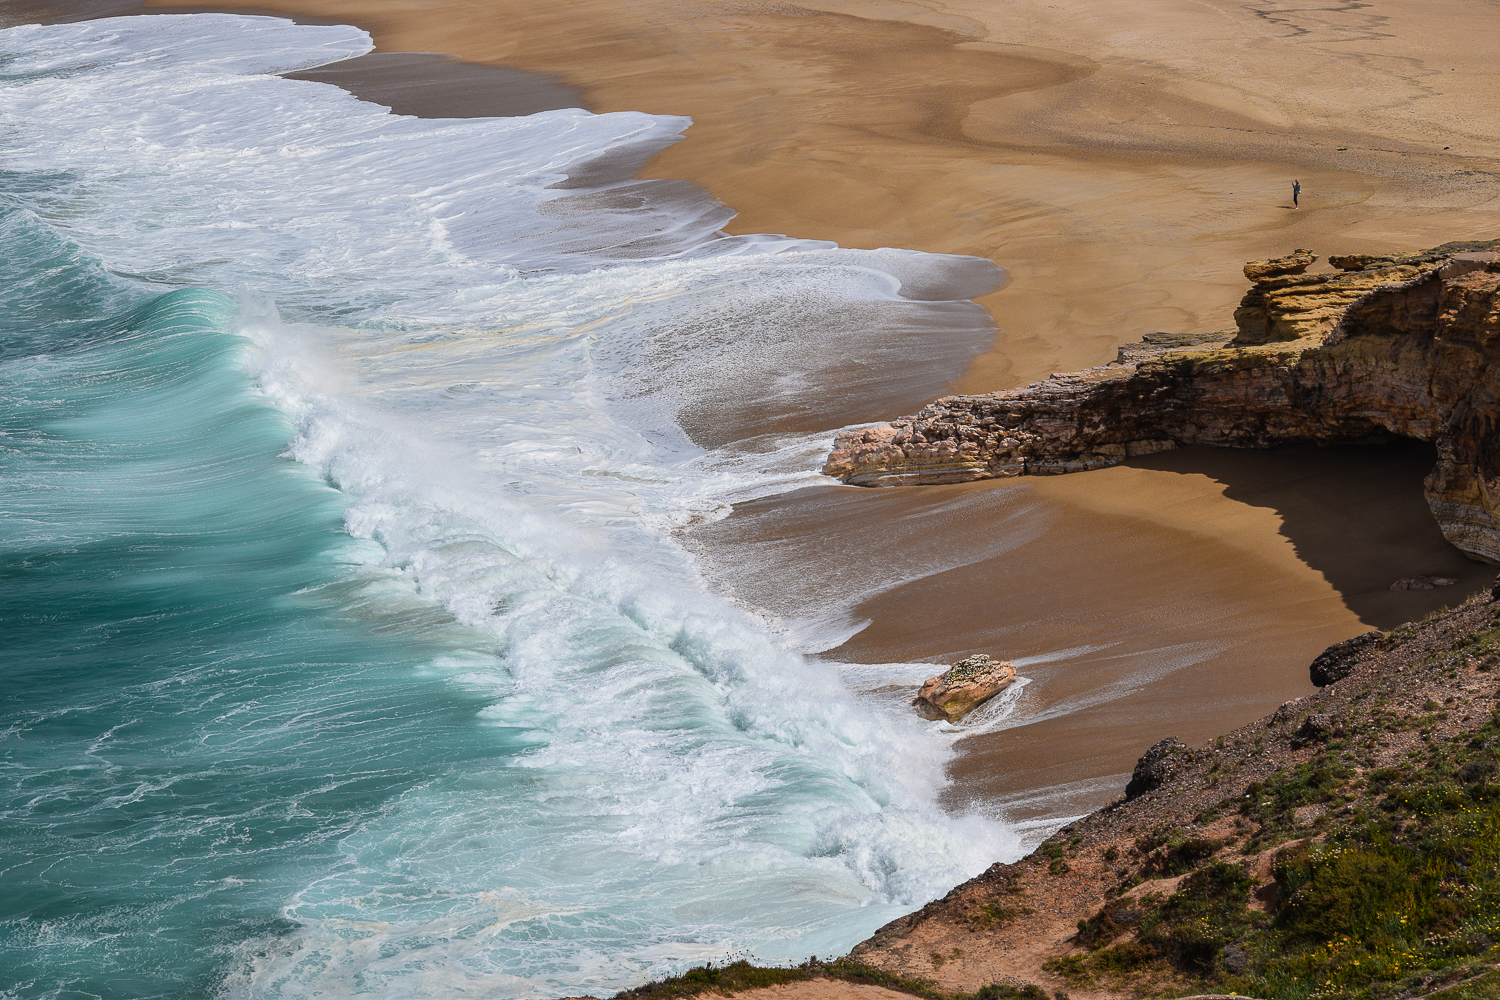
(1397,895)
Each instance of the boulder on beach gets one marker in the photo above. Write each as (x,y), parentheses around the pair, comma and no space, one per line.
(963,687)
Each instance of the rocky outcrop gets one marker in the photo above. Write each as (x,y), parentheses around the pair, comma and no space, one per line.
(1395,345)
(1423,582)
(962,688)
(1296,262)
(1335,662)
(1314,728)
(1155,768)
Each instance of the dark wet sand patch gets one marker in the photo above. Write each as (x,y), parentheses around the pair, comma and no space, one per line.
(423,84)
(431,85)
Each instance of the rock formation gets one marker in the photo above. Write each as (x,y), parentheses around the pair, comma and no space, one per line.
(1389,345)
(1335,662)
(1155,767)
(1314,728)
(1423,582)
(963,687)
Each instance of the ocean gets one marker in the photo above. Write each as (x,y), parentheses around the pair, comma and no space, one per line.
(351,644)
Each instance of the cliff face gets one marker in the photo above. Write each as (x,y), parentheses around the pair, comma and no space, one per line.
(1400,345)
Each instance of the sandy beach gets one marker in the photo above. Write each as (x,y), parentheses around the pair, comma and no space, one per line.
(1122,172)
(1121,166)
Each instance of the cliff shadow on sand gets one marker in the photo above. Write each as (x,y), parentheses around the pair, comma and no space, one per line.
(1355,514)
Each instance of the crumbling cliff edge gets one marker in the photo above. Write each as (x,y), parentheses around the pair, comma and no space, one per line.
(1389,345)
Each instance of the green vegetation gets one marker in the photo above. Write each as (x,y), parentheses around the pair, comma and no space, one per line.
(1001,991)
(1391,897)
(991,915)
(1057,854)
(741,975)
(1181,855)
(1483,647)
(730,978)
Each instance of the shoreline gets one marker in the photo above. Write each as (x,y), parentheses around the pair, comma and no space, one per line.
(1058,146)
(1259,541)
(1156,524)
(1186,631)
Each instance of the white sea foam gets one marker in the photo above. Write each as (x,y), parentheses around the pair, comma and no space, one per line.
(522,384)
(677,752)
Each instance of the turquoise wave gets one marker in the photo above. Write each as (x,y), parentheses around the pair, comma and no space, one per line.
(200,697)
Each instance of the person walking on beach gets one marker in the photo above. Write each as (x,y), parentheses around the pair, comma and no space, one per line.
(1296,190)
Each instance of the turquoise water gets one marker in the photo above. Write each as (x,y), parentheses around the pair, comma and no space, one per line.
(200,700)
(349,646)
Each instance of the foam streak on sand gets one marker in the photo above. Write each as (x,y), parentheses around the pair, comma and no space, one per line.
(495,734)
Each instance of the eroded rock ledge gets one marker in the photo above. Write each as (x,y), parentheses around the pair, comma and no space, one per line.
(1395,345)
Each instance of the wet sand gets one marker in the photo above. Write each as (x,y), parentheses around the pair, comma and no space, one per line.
(1122,175)
(430,85)
(1180,595)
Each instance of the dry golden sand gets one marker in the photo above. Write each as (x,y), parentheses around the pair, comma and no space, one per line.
(1121,160)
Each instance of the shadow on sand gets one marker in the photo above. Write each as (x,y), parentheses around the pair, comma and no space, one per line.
(1355,514)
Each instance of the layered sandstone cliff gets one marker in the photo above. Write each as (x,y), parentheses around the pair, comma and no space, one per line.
(1396,345)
